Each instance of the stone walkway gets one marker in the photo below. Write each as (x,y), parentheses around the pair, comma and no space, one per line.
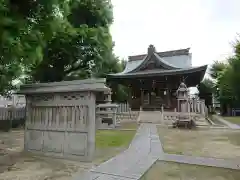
(204,161)
(229,124)
(144,150)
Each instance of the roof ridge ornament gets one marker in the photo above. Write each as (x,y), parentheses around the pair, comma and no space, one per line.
(151,49)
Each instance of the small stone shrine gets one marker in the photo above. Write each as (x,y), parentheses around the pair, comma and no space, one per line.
(60,118)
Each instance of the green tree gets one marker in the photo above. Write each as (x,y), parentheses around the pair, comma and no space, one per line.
(55,40)
(24,27)
(206,89)
(216,68)
(226,77)
(82,48)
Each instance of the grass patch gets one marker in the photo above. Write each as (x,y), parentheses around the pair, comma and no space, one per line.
(218,143)
(176,171)
(235,120)
(109,143)
(113,138)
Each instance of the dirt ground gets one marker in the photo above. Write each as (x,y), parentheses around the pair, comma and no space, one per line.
(218,143)
(175,171)
(29,167)
(18,165)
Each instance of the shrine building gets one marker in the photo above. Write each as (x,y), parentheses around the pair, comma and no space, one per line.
(154,78)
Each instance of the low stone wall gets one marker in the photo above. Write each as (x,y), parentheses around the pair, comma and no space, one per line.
(127,116)
(169,117)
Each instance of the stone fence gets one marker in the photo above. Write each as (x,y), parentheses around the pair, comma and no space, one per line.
(11,117)
(196,111)
(15,100)
(16,115)
(12,113)
(196,106)
(169,117)
(123,107)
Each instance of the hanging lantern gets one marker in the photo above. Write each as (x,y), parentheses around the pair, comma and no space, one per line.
(153,84)
(165,92)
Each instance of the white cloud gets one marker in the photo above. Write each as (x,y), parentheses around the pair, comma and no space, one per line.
(207,27)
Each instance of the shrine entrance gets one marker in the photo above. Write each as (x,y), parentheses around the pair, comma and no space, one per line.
(153,99)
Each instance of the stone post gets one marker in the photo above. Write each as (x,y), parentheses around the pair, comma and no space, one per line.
(204,107)
(194,105)
(188,106)
(162,113)
(191,101)
(91,126)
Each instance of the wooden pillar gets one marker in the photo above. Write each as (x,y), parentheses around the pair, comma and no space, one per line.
(178,106)
(142,94)
(114,87)
(169,95)
(130,96)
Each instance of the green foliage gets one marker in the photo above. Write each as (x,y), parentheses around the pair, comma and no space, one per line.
(216,68)
(226,76)
(55,40)
(94,13)
(206,89)
(225,89)
(82,48)
(24,27)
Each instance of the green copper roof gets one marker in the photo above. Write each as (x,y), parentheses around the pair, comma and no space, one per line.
(136,64)
(133,66)
(158,72)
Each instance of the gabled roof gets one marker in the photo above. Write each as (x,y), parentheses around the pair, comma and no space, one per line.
(177,52)
(136,65)
(160,61)
(154,72)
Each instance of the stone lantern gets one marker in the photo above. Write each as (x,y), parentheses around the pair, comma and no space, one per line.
(106,112)
(108,96)
(182,97)
(184,117)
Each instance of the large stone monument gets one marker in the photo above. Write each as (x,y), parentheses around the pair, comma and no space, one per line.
(60,118)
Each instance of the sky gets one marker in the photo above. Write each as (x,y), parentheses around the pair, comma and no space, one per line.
(208,27)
